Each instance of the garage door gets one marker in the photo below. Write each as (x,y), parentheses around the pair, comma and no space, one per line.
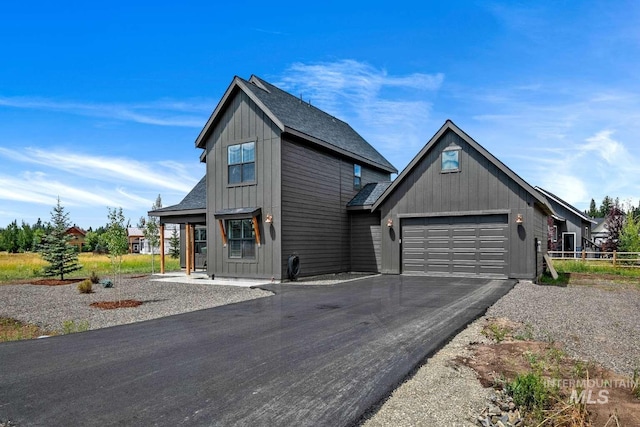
(465,245)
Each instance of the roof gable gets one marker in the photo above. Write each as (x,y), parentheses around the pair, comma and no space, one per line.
(450,126)
(564,204)
(301,119)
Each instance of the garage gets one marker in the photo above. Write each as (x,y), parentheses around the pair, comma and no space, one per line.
(474,245)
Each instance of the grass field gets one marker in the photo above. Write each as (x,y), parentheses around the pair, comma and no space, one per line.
(600,267)
(30,265)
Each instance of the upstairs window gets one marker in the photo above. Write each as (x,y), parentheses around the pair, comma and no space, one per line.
(357,177)
(242,239)
(242,163)
(451,159)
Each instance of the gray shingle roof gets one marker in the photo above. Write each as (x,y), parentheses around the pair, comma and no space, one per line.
(369,194)
(195,200)
(310,120)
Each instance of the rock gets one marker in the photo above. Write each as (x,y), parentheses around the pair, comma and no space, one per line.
(494,410)
(512,406)
(485,422)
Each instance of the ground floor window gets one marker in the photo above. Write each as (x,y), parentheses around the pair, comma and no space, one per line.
(242,238)
(200,239)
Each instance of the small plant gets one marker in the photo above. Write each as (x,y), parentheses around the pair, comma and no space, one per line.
(496,332)
(636,383)
(36,272)
(70,326)
(526,334)
(530,392)
(85,287)
(94,278)
(106,283)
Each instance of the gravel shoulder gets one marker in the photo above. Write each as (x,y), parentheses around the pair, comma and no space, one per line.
(598,325)
(50,306)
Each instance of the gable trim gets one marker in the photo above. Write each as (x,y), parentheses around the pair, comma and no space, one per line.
(236,84)
(449,125)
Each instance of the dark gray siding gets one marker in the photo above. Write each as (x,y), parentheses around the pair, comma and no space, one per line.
(572,224)
(316,187)
(243,121)
(479,188)
(366,252)
(540,231)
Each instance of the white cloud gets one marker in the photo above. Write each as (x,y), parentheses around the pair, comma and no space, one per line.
(163,175)
(613,152)
(357,93)
(160,113)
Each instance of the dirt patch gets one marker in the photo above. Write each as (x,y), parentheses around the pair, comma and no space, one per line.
(54,282)
(605,395)
(607,282)
(111,305)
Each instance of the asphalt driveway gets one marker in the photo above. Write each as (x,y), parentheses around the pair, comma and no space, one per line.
(310,355)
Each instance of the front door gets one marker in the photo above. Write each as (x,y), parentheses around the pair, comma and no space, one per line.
(569,245)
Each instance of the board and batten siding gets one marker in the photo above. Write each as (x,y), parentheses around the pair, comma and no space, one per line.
(316,187)
(243,121)
(540,231)
(366,253)
(479,188)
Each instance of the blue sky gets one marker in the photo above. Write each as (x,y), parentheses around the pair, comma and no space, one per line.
(100,104)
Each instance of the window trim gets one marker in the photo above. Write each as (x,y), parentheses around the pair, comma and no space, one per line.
(255,155)
(555,234)
(455,149)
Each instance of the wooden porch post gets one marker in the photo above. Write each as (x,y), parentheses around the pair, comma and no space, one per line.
(187,252)
(161,249)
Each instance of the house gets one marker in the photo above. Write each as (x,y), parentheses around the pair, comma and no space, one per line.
(289,185)
(77,237)
(599,231)
(571,229)
(145,247)
(135,236)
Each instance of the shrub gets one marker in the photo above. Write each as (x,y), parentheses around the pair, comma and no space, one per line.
(85,287)
(106,283)
(529,391)
(94,278)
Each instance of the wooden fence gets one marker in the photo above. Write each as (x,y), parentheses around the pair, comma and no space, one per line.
(617,259)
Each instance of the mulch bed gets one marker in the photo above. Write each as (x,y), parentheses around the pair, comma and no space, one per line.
(54,282)
(110,305)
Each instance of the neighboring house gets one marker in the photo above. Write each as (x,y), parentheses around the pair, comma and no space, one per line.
(284,179)
(571,229)
(145,247)
(77,237)
(599,231)
(135,237)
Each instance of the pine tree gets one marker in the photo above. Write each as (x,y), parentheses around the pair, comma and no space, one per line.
(56,250)
(593,210)
(174,244)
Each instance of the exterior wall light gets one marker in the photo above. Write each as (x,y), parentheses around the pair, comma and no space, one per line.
(269,219)
(519,219)
(390,222)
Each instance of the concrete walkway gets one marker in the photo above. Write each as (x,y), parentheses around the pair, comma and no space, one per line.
(203,278)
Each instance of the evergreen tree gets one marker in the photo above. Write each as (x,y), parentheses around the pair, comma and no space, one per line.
(174,244)
(56,250)
(10,238)
(25,237)
(593,210)
(116,241)
(605,207)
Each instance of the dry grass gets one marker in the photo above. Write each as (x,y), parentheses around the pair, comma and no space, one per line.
(14,330)
(19,267)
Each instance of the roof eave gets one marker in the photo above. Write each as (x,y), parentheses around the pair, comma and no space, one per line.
(180,212)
